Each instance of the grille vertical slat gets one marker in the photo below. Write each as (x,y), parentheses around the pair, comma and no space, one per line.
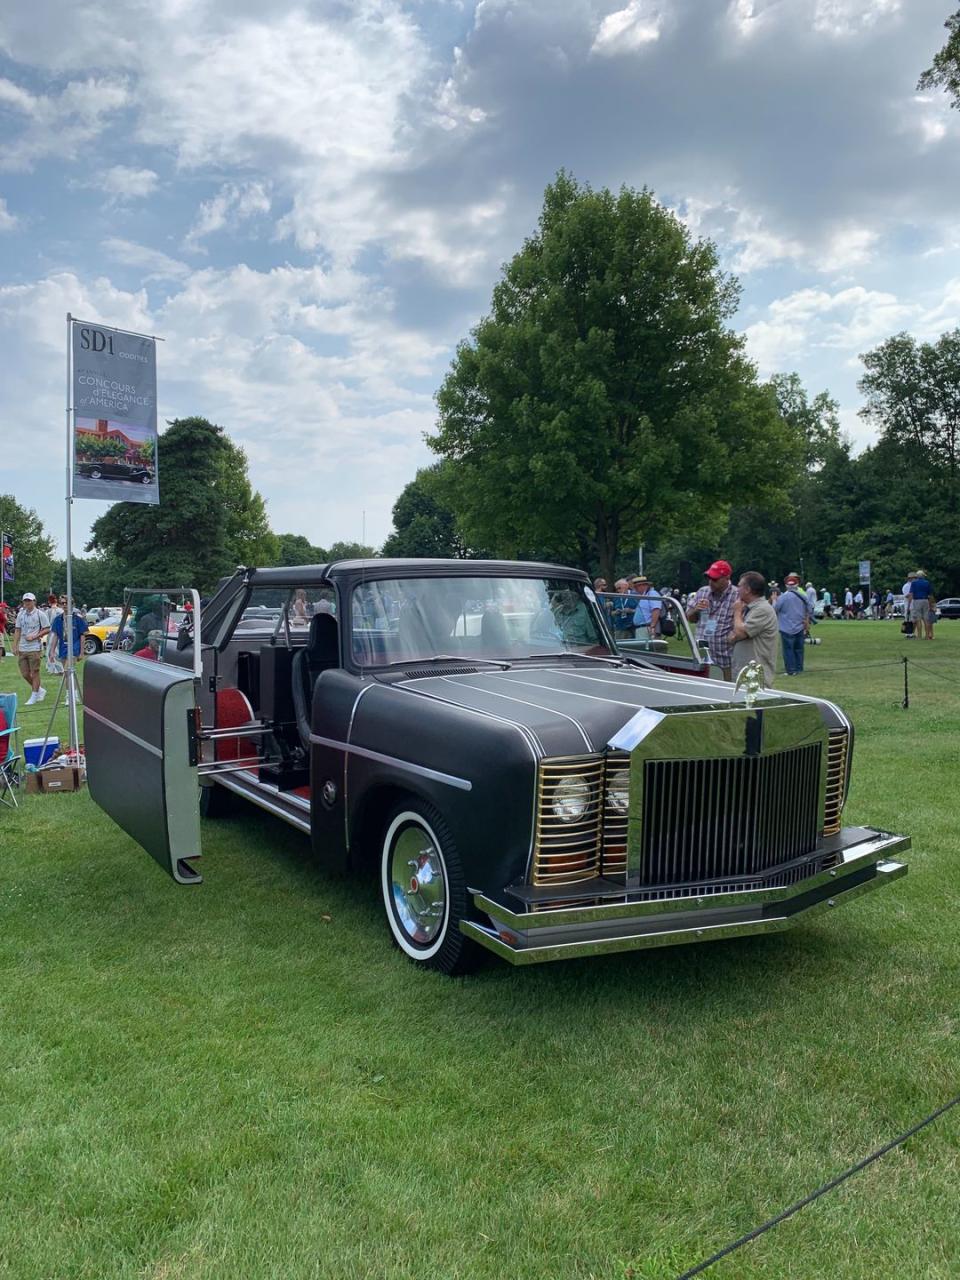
(729,817)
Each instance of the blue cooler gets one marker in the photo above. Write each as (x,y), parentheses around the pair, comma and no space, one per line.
(34,752)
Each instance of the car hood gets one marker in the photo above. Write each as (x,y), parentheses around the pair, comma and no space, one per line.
(574,709)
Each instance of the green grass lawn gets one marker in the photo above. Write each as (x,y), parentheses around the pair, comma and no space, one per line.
(245,1080)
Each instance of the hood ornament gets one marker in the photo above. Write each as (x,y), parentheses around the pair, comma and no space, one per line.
(752,680)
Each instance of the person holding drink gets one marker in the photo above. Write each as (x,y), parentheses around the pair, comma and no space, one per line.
(712,610)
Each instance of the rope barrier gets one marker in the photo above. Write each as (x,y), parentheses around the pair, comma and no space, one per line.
(815,1195)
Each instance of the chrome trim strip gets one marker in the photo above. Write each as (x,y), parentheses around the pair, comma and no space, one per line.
(270,788)
(879,848)
(124,733)
(463,784)
(346,760)
(886,872)
(254,796)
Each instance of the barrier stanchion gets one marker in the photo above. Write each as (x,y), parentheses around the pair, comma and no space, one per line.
(906,684)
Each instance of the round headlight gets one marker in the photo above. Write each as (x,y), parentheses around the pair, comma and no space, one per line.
(571,798)
(618,791)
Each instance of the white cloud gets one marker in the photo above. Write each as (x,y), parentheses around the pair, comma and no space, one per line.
(231,206)
(7,220)
(750,241)
(129,184)
(157,265)
(848,321)
(57,124)
(629,29)
(848,17)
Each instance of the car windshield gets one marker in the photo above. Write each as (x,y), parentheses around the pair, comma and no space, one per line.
(415,619)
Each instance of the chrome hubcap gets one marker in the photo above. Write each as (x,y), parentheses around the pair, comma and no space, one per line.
(418,885)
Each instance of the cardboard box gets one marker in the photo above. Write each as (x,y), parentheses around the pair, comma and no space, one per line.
(59,780)
(31,784)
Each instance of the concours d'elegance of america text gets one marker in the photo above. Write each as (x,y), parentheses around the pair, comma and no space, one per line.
(519,782)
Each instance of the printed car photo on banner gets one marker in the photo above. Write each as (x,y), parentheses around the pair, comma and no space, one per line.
(8,569)
(115,408)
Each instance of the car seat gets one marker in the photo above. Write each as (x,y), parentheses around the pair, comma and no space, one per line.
(321,652)
(494,637)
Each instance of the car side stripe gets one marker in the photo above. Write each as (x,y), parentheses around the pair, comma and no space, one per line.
(125,733)
(462,784)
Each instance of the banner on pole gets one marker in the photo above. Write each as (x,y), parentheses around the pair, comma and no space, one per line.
(115,415)
(864,572)
(8,567)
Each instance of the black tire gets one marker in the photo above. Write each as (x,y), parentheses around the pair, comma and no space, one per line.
(215,801)
(94,473)
(438,944)
(146,479)
(91,645)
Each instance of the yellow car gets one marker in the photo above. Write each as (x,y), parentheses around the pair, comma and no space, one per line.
(97,632)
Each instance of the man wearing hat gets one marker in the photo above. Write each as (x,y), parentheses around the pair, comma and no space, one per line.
(712,610)
(793,619)
(151,650)
(31,630)
(649,603)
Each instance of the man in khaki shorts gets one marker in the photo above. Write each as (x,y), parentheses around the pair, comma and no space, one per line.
(31,630)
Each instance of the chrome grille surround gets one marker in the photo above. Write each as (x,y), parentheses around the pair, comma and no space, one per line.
(728,818)
(567,852)
(838,747)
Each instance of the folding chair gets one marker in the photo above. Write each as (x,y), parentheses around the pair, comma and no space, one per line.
(9,776)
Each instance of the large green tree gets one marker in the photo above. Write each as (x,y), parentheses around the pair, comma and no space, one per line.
(944,72)
(604,401)
(294,549)
(423,527)
(209,519)
(912,392)
(32,549)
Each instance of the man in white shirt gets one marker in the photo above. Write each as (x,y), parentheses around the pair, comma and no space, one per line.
(810,591)
(31,629)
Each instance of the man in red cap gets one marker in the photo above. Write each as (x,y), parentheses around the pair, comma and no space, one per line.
(712,610)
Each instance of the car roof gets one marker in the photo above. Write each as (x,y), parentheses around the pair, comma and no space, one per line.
(309,574)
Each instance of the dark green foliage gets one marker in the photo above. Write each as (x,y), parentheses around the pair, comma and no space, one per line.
(423,526)
(32,549)
(944,73)
(350,551)
(604,393)
(89,446)
(97,580)
(294,548)
(208,521)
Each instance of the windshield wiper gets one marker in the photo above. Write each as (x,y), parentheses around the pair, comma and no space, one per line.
(451,657)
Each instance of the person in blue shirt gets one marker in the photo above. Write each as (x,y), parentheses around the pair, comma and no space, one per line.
(793,619)
(648,606)
(921,603)
(57,629)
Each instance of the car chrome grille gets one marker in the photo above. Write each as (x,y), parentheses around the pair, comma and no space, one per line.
(836,780)
(567,852)
(728,817)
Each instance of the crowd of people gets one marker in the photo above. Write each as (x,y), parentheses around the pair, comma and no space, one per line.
(749,620)
(39,637)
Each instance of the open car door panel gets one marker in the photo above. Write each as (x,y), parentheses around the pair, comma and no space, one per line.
(142,755)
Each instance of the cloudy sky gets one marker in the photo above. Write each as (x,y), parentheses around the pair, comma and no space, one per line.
(311,201)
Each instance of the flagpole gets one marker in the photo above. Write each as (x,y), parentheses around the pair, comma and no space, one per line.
(71,677)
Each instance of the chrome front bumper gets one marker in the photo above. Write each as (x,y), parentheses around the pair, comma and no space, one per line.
(565,930)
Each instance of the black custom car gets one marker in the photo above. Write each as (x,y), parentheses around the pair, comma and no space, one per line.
(113,470)
(470,729)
